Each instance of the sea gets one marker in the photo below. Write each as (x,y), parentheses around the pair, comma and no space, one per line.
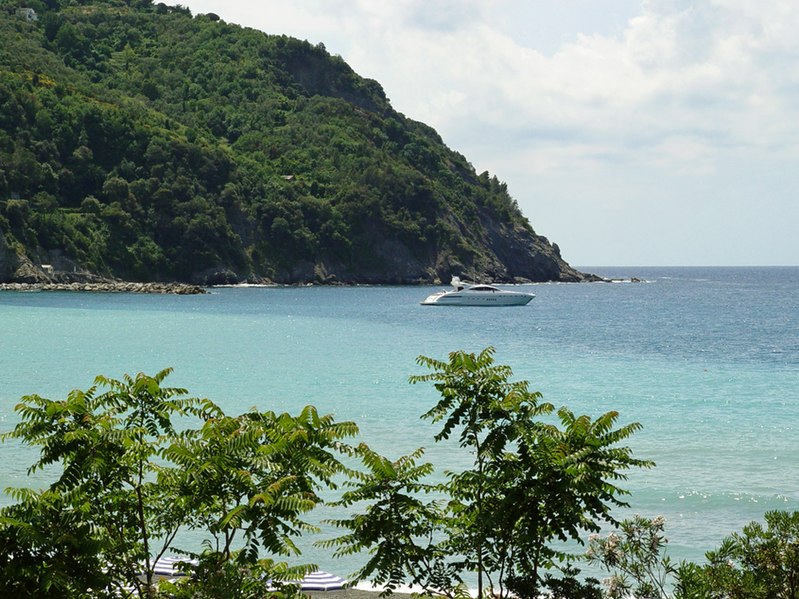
(706,359)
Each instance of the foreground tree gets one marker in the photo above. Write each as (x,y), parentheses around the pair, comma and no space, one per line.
(126,480)
(531,483)
(48,549)
(110,485)
(487,411)
(397,524)
(263,472)
(760,562)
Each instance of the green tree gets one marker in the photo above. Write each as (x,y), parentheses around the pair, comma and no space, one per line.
(397,526)
(248,481)
(531,484)
(486,409)
(71,41)
(108,446)
(758,563)
(126,480)
(561,481)
(49,548)
(116,189)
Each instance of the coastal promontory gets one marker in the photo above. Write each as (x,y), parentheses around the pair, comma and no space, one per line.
(140,142)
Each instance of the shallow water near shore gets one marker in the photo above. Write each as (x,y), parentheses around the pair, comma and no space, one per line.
(707,359)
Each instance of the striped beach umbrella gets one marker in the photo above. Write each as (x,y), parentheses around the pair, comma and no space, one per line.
(170,566)
(322,581)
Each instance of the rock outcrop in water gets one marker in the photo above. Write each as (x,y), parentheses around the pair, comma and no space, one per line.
(107,287)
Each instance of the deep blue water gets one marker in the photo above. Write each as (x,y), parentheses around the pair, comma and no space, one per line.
(707,359)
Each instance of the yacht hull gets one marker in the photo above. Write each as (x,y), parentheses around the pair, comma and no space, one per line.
(454,298)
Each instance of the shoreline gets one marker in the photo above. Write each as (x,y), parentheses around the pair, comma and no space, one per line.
(175,288)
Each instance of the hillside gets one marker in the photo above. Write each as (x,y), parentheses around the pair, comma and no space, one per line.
(143,143)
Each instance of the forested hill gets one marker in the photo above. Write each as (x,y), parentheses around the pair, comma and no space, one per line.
(140,142)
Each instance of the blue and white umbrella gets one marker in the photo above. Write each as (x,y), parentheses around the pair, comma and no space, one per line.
(321,581)
(170,566)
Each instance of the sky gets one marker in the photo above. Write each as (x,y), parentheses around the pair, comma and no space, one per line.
(630,132)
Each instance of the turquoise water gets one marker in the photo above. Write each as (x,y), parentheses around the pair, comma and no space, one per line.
(706,359)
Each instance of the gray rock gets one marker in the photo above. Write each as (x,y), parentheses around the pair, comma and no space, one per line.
(107,287)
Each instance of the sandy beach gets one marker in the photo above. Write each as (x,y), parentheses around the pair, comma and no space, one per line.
(354,593)
(363,590)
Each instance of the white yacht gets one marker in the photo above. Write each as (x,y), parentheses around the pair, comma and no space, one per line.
(467,294)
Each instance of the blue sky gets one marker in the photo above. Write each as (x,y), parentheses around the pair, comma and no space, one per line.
(656,132)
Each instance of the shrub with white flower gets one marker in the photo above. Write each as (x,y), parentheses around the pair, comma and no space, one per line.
(635,557)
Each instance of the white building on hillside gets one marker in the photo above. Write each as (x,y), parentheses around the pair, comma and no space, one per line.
(28,14)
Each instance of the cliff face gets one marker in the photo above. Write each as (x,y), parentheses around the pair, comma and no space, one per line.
(148,145)
(525,256)
(503,253)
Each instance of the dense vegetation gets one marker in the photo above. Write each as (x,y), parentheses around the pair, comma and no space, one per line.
(132,462)
(140,142)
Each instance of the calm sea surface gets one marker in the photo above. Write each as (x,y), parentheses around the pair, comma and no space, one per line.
(707,359)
